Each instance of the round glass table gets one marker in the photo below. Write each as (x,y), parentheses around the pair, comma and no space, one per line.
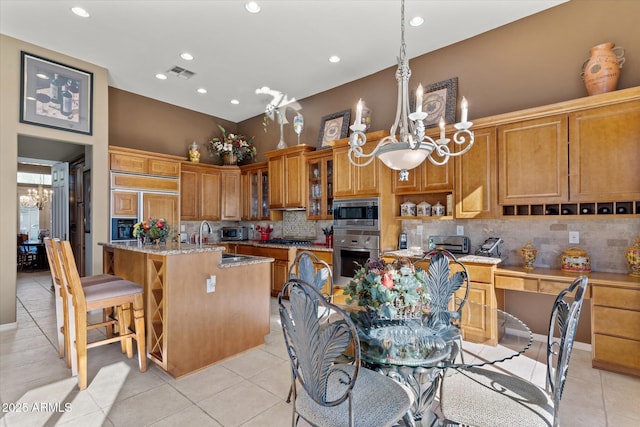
(415,353)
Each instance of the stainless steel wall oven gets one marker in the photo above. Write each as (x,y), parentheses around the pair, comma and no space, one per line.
(356,236)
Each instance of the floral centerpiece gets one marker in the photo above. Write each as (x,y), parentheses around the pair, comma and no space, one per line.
(391,291)
(152,230)
(231,147)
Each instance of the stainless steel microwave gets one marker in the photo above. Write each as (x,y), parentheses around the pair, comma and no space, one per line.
(234,233)
(360,214)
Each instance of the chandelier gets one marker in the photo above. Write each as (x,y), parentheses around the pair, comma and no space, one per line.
(35,198)
(407,146)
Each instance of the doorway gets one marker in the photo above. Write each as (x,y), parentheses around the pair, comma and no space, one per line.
(77,158)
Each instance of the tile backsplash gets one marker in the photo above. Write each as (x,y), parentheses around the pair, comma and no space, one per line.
(604,239)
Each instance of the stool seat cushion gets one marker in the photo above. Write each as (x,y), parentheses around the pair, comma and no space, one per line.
(98,278)
(108,290)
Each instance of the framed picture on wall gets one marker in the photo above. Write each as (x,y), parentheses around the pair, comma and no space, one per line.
(333,127)
(55,95)
(439,100)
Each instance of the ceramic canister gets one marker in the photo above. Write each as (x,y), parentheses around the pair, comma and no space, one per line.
(576,259)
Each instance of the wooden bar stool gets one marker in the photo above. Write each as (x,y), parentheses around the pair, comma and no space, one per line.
(123,294)
(62,320)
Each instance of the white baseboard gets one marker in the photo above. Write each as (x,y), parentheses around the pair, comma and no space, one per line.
(9,326)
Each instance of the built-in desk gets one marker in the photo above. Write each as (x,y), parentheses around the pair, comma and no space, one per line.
(615,310)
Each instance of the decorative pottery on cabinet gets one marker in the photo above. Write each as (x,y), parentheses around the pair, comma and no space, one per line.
(576,259)
(601,71)
(633,258)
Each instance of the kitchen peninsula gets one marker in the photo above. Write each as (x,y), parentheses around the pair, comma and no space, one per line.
(200,307)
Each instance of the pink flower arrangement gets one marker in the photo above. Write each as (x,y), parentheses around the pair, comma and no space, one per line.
(230,143)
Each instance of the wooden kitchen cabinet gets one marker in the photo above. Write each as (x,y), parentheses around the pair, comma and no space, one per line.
(255,192)
(615,328)
(230,194)
(604,153)
(320,185)
(358,181)
(124,203)
(209,192)
(533,161)
(279,268)
(142,162)
(161,206)
(287,175)
(476,185)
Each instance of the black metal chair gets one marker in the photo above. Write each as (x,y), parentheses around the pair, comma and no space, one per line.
(482,397)
(326,392)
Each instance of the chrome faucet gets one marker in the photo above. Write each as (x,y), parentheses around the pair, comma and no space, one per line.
(202,224)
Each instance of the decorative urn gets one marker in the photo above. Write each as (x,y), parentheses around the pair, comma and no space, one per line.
(633,258)
(529,254)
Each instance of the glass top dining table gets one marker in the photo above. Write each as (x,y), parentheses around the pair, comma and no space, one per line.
(415,353)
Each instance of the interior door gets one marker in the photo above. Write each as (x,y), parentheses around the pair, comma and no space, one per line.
(60,201)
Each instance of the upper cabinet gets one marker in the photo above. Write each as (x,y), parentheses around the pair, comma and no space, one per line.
(209,192)
(475,177)
(141,162)
(579,157)
(255,191)
(287,177)
(320,188)
(533,161)
(604,153)
(359,181)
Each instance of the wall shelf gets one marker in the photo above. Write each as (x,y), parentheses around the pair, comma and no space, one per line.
(585,209)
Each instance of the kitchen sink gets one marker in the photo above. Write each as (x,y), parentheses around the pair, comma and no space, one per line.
(232,257)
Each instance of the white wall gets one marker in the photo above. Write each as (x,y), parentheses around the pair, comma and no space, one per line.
(11,128)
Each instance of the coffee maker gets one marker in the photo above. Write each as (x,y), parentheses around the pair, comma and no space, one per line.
(402,241)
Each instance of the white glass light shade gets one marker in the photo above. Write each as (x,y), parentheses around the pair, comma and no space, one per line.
(399,156)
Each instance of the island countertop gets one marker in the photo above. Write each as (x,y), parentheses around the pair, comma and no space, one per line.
(175,248)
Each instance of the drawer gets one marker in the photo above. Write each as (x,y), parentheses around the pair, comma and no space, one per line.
(616,297)
(128,163)
(616,351)
(555,287)
(164,167)
(614,321)
(516,283)
(322,255)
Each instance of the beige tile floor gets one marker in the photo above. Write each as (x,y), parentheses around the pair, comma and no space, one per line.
(247,390)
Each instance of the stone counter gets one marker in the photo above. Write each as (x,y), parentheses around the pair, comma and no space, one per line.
(475,259)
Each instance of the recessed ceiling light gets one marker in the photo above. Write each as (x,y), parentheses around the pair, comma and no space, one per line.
(160,76)
(235,102)
(202,90)
(334,58)
(416,21)
(252,7)
(80,12)
(186,56)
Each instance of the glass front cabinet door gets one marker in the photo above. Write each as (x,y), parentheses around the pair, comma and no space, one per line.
(256,192)
(320,190)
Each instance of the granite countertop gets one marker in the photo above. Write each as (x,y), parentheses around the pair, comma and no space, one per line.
(412,253)
(175,248)
(170,248)
(258,243)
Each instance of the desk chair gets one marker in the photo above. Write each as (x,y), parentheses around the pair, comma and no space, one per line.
(61,297)
(123,294)
(481,397)
(26,257)
(330,393)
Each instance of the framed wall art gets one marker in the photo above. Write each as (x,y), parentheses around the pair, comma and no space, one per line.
(55,95)
(439,100)
(333,127)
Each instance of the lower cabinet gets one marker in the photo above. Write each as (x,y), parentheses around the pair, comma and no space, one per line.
(279,268)
(615,329)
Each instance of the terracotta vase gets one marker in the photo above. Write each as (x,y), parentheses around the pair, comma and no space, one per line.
(633,258)
(601,71)
(230,159)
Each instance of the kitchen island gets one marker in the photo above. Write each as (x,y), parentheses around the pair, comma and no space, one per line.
(200,308)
